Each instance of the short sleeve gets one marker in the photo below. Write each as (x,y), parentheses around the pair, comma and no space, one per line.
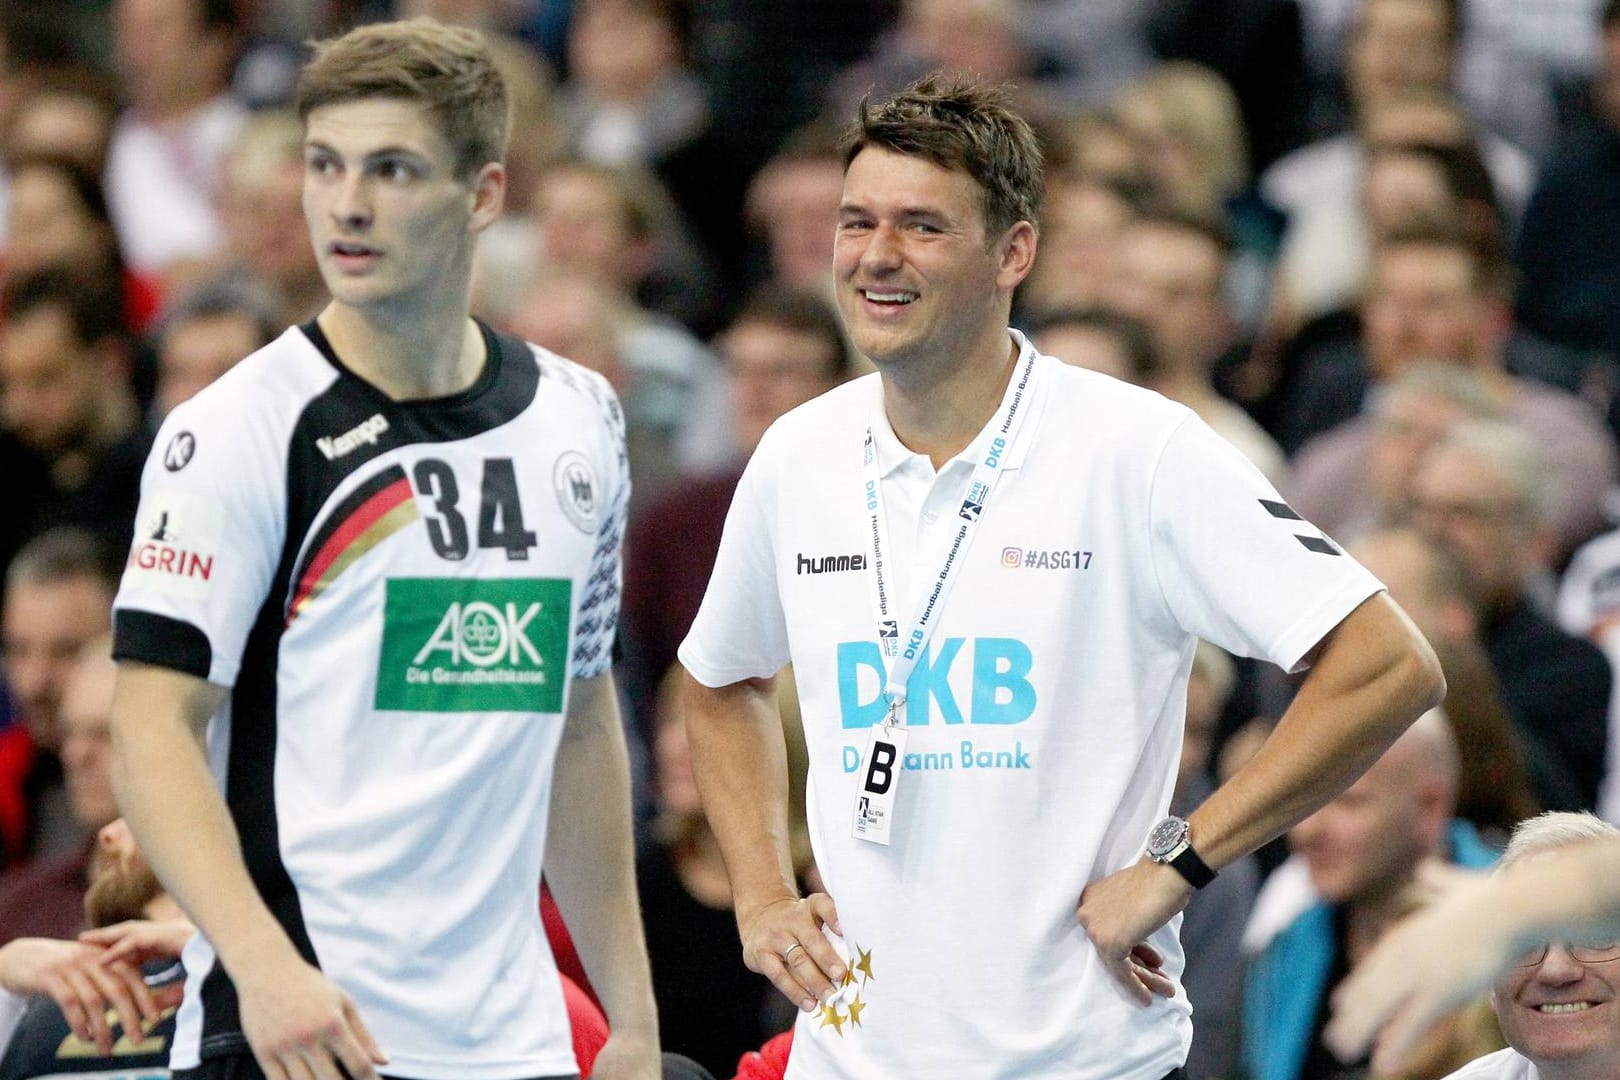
(1237,565)
(597,620)
(208,537)
(741,631)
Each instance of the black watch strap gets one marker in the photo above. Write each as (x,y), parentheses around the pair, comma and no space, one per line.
(1194,869)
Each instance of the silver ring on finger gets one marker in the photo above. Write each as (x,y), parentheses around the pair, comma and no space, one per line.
(787,954)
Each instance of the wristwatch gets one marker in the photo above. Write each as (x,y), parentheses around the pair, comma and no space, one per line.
(1170,843)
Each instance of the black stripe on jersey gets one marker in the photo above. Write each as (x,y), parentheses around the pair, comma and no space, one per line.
(340,514)
(250,794)
(161,640)
(505,388)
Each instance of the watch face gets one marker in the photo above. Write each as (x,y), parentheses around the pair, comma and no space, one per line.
(1165,836)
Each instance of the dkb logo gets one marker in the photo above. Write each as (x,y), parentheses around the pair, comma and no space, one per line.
(999,689)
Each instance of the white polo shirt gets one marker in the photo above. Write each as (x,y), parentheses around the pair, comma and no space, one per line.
(1044,717)
(1506,1064)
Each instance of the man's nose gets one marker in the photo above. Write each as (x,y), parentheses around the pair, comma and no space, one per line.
(882,250)
(352,207)
(1559,966)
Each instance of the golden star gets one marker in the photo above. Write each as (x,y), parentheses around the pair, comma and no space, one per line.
(849,977)
(856,1007)
(864,965)
(831,1017)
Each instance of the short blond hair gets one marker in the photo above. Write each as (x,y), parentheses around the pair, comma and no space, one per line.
(448,69)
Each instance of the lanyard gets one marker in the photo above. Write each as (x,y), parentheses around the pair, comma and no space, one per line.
(901,656)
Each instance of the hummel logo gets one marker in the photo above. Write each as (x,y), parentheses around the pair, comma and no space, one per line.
(830,564)
(1319,544)
(364,433)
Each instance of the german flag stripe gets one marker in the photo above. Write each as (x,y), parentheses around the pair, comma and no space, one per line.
(365,519)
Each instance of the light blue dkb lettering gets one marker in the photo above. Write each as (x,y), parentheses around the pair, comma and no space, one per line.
(1001,691)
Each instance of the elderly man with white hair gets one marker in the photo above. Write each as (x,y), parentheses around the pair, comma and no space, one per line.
(1561,876)
(1555,1002)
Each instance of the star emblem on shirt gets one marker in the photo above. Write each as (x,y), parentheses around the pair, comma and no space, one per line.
(857,975)
(864,964)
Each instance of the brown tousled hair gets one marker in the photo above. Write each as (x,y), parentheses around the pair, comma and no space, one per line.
(962,124)
(448,69)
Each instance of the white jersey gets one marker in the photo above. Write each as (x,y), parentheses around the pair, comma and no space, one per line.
(1044,716)
(397,594)
(1506,1064)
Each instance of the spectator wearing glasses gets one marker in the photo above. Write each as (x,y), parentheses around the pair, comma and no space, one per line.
(1483,494)
(1561,874)
(1557,1004)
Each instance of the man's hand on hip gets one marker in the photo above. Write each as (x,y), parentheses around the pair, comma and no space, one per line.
(1120,911)
(783,941)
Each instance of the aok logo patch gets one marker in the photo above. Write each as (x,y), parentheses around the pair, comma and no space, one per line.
(454,645)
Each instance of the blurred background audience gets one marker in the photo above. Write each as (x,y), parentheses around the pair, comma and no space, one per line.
(1374,243)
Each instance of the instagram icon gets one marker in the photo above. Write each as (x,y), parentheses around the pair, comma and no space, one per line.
(1012,558)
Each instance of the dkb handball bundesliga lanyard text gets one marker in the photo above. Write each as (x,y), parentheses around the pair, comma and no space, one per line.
(874,806)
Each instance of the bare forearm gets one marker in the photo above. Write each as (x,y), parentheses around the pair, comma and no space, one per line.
(1573,893)
(1375,675)
(590,863)
(185,832)
(740,763)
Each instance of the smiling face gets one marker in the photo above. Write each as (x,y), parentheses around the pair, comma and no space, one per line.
(390,221)
(918,277)
(1561,1013)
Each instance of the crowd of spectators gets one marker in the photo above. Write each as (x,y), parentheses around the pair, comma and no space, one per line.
(1373,243)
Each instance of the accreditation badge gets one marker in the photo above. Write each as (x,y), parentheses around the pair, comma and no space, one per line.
(874,802)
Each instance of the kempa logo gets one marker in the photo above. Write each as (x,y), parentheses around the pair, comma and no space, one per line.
(453,645)
(181,447)
(829,564)
(365,433)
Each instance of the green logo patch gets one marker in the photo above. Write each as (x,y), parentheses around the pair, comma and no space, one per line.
(453,645)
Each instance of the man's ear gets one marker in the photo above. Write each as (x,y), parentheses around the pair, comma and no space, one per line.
(1017,248)
(488,195)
